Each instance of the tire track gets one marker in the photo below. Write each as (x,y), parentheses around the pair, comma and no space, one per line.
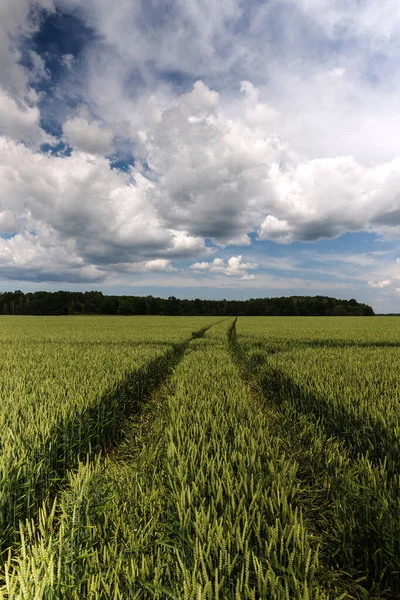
(350,502)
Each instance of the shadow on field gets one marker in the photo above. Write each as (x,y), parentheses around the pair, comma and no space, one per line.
(98,428)
(373,437)
(347,470)
(277,347)
(102,343)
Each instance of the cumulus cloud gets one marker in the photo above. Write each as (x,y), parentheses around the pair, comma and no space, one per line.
(20,121)
(234,267)
(212,172)
(191,35)
(19,113)
(157,265)
(330,101)
(18,21)
(41,257)
(207,176)
(276,148)
(274,229)
(379,284)
(104,217)
(102,213)
(221,178)
(89,137)
(325,198)
(185,245)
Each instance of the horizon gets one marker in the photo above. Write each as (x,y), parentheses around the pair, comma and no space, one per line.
(240,149)
(189,298)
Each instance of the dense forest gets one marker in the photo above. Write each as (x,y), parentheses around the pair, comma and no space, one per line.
(76,303)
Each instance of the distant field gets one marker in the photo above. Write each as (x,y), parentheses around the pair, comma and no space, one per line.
(199,457)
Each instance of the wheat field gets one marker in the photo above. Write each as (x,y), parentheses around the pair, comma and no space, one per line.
(199,458)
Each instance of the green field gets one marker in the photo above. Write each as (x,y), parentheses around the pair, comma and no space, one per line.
(199,458)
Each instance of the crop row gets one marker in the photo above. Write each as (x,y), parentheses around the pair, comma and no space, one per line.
(264,467)
(200,502)
(64,387)
(338,400)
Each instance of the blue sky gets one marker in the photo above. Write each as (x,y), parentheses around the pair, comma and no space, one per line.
(232,149)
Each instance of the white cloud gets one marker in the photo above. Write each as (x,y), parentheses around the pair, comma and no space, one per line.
(159,265)
(190,34)
(17,22)
(20,121)
(38,68)
(255,111)
(274,229)
(41,256)
(325,198)
(352,19)
(89,137)
(101,216)
(278,147)
(19,113)
(68,60)
(233,268)
(222,178)
(211,176)
(201,266)
(326,99)
(212,172)
(379,284)
(101,212)
(185,245)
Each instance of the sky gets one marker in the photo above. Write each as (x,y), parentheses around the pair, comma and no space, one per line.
(201,148)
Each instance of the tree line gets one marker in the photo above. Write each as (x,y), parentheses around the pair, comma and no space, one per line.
(87,303)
